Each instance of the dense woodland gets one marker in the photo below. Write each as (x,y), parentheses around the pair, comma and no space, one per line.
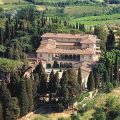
(20,35)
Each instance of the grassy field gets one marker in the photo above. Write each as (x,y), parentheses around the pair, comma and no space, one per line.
(10,1)
(86,9)
(98,20)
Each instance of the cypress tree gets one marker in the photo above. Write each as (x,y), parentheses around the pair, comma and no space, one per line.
(12,32)
(97,81)
(80,78)
(64,90)
(23,98)
(1,111)
(6,102)
(73,85)
(35,89)
(15,110)
(7,31)
(110,44)
(106,76)
(116,68)
(1,36)
(29,94)
(56,84)
(51,85)
(43,85)
(91,82)
(111,75)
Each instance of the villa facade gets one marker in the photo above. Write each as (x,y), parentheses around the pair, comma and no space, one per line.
(68,49)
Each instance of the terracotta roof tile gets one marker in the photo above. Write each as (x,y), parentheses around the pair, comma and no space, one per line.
(83,38)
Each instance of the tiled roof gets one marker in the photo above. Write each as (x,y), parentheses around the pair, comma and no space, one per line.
(82,38)
(64,51)
(66,44)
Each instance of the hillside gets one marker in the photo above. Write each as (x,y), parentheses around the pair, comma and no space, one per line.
(10,1)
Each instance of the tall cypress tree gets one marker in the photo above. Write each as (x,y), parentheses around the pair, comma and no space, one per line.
(56,84)
(6,102)
(7,31)
(12,32)
(106,77)
(23,98)
(116,68)
(1,111)
(111,75)
(29,94)
(73,85)
(51,85)
(35,89)
(97,80)
(110,44)
(91,82)
(1,36)
(64,90)
(80,78)
(43,85)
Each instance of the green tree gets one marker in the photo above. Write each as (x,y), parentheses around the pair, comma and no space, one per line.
(102,35)
(73,85)
(97,80)
(7,31)
(15,110)
(23,98)
(80,78)
(51,85)
(106,77)
(6,102)
(91,82)
(64,90)
(1,111)
(110,43)
(116,68)
(1,36)
(29,94)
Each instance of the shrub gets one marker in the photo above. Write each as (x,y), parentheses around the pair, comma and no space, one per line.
(108,87)
(60,107)
(100,114)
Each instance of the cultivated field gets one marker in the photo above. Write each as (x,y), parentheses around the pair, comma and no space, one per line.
(98,20)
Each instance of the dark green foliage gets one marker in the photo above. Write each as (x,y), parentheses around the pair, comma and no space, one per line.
(1,111)
(64,91)
(97,80)
(29,88)
(51,85)
(111,75)
(102,35)
(116,68)
(6,102)
(35,88)
(1,36)
(73,86)
(110,44)
(108,87)
(23,98)
(43,84)
(91,82)
(7,32)
(106,76)
(55,64)
(15,110)
(80,78)
(100,114)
